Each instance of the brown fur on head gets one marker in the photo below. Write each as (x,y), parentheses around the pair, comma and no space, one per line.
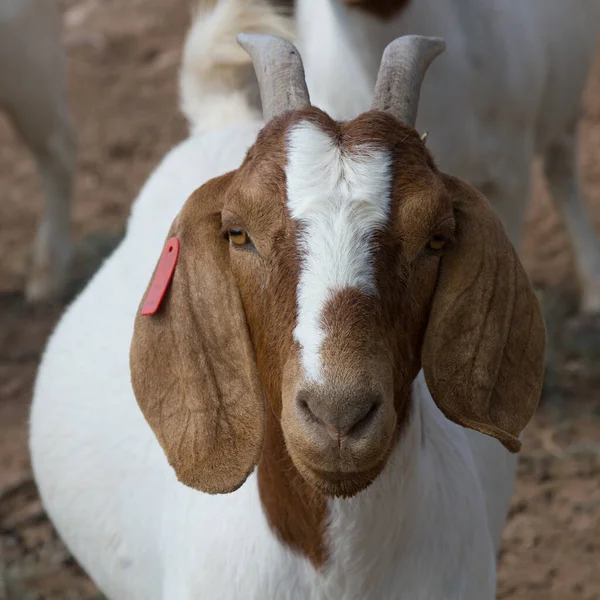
(225,338)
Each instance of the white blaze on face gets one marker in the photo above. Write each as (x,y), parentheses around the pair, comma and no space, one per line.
(342,198)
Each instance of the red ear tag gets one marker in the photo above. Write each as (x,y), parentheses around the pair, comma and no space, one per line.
(162,278)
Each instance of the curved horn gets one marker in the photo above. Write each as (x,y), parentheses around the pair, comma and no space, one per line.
(279,72)
(403,66)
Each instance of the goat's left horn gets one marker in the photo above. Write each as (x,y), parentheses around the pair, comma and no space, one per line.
(403,66)
(279,71)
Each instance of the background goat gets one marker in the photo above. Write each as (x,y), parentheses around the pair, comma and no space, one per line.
(344,413)
(508,87)
(32,92)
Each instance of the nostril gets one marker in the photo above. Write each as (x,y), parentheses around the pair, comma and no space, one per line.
(363,422)
(340,415)
(305,409)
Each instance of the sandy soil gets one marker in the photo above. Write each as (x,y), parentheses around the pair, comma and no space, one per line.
(123,58)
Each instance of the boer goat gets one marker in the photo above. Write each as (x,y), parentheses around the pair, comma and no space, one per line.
(332,364)
(33,94)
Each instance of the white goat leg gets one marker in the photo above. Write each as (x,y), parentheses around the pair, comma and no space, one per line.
(560,165)
(32,90)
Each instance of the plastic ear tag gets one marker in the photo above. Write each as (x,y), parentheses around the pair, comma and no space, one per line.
(162,278)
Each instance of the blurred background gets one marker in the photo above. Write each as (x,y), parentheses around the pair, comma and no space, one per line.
(123,57)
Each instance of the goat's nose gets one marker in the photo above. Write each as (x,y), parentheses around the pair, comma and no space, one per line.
(342,417)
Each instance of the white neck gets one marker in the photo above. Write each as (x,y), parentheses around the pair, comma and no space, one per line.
(422,520)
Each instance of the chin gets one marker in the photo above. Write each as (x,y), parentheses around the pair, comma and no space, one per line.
(341,484)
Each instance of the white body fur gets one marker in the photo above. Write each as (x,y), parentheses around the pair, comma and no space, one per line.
(427,529)
(33,94)
(508,87)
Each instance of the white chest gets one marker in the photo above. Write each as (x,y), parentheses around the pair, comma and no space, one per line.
(389,542)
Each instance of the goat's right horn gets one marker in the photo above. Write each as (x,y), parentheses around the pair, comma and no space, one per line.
(279,71)
(403,66)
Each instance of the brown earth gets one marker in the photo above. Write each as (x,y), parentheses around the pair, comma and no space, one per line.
(123,58)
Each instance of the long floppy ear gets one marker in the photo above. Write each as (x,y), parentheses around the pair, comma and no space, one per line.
(483,354)
(192,362)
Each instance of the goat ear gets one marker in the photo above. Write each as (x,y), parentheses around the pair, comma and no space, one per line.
(192,363)
(483,353)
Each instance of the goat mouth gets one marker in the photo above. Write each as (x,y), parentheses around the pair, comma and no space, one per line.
(341,484)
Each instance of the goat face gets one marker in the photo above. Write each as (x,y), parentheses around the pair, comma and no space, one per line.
(318,278)
(335,237)
(321,276)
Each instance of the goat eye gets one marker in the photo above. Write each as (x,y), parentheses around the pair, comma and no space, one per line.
(238,237)
(437,242)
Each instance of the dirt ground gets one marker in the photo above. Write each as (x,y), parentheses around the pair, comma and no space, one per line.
(123,58)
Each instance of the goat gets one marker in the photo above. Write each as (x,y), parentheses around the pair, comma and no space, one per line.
(32,93)
(508,88)
(326,400)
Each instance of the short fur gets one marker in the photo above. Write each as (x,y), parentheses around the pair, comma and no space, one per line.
(340,198)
